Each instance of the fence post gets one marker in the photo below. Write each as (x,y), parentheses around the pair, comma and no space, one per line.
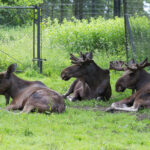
(125,28)
(39,61)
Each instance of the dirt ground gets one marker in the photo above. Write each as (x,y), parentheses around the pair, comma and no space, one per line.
(140,116)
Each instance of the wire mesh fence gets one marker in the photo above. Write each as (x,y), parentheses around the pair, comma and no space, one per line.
(79,9)
(16,25)
(16,36)
(138,26)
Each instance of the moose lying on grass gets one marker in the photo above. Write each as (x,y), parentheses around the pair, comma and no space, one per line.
(92,81)
(135,78)
(29,95)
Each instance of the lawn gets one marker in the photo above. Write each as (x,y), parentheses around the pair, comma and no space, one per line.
(84,125)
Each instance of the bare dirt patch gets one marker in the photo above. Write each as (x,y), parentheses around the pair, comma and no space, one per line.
(96,108)
(140,116)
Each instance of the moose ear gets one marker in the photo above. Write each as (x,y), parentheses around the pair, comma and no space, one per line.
(89,55)
(11,69)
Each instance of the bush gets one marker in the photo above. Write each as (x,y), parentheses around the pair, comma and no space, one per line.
(15,17)
(83,35)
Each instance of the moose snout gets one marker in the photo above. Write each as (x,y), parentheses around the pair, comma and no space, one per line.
(65,76)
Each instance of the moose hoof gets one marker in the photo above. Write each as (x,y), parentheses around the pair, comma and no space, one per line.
(70,98)
(64,96)
(109,109)
(116,105)
(100,98)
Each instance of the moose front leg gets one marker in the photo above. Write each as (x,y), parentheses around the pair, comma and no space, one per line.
(7,97)
(71,89)
(12,107)
(122,104)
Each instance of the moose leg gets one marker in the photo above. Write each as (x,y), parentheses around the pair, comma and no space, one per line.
(37,106)
(76,96)
(7,98)
(27,109)
(72,98)
(126,101)
(71,89)
(13,107)
(122,104)
(36,101)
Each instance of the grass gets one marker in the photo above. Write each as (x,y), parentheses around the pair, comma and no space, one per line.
(77,128)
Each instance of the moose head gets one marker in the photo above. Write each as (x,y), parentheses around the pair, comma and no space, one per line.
(5,78)
(134,75)
(80,68)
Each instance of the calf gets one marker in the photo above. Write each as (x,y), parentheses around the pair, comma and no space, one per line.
(92,81)
(29,95)
(135,78)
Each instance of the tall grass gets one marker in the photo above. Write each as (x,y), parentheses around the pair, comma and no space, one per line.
(75,128)
(83,35)
(103,37)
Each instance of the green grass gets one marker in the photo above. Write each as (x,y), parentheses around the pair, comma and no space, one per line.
(77,128)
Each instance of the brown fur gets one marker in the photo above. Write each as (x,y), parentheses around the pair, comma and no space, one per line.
(92,81)
(29,95)
(134,77)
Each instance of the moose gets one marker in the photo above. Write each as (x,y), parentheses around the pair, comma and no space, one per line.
(92,82)
(28,95)
(135,78)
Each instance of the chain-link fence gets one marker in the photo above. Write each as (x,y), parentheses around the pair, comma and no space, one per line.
(137,14)
(17,36)
(79,9)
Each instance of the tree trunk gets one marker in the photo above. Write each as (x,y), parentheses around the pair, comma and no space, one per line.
(117,8)
(93,8)
(76,8)
(62,11)
(80,9)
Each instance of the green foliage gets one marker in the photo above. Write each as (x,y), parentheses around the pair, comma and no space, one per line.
(98,34)
(140,27)
(76,35)
(10,17)
(76,128)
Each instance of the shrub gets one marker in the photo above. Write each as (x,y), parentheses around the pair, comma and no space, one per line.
(83,35)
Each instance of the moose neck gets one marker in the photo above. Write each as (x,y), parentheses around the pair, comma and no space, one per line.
(93,76)
(16,86)
(144,78)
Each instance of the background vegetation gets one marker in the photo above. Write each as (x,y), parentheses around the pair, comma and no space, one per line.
(84,125)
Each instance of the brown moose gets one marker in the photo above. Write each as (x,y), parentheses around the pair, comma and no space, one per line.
(135,78)
(28,95)
(92,81)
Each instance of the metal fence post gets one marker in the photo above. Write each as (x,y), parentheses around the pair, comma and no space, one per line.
(39,61)
(125,28)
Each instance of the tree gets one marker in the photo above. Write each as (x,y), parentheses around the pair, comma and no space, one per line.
(117,8)
(62,10)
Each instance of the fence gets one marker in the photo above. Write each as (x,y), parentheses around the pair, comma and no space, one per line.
(79,9)
(33,38)
(23,38)
(137,24)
